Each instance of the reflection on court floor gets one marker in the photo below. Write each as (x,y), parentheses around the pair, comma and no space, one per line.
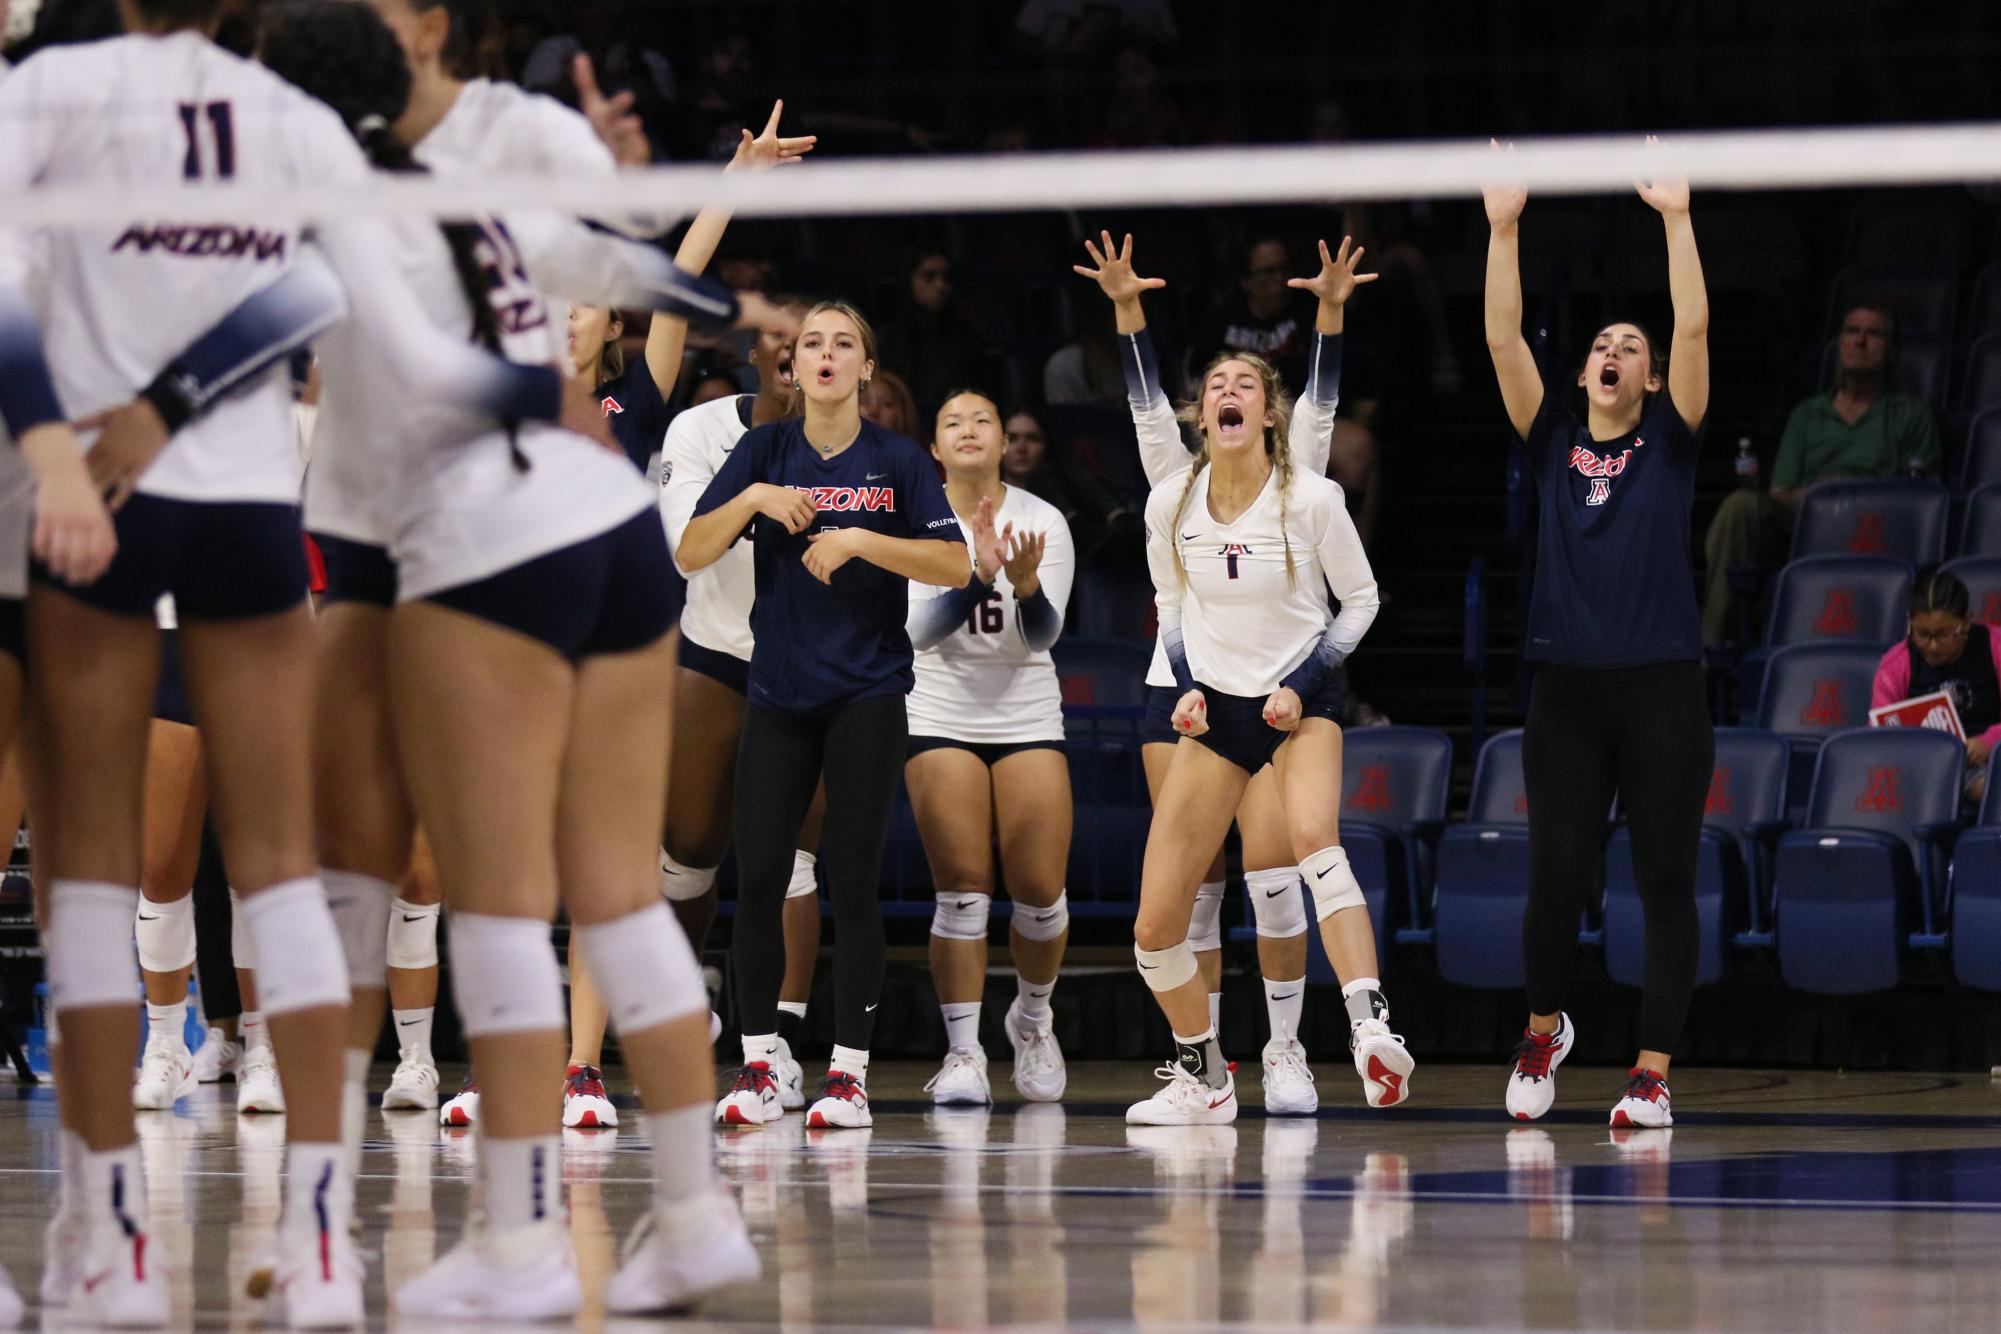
(1797,1201)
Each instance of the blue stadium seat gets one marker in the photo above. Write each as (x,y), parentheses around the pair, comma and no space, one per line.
(1976,894)
(1924,297)
(1102,673)
(1115,602)
(1482,880)
(1984,315)
(1746,806)
(1980,533)
(1903,518)
(1104,699)
(1982,577)
(1100,439)
(1921,369)
(1854,886)
(1980,385)
(1980,461)
(1811,692)
(1819,598)
(1393,795)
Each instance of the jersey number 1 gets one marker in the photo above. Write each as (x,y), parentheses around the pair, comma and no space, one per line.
(222,127)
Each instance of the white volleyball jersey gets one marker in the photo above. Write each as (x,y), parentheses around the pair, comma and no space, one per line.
(699,441)
(1163,453)
(982,683)
(128,294)
(20,264)
(1242,624)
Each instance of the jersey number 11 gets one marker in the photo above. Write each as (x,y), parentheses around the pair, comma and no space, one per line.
(222,128)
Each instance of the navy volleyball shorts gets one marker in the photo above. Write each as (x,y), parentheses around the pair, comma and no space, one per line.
(357,571)
(220,559)
(1238,730)
(607,594)
(726,668)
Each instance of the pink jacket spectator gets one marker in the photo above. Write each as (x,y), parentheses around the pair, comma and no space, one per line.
(1893,676)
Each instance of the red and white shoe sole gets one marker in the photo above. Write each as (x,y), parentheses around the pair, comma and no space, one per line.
(1387,1088)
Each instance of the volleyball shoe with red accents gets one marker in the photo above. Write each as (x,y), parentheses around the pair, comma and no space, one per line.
(1644,1104)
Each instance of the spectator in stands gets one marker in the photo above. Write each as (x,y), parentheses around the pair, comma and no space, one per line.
(1086,372)
(932,343)
(1088,506)
(608,33)
(723,100)
(1142,110)
(886,401)
(1863,428)
(1087,29)
(1948,650)
(1275,322)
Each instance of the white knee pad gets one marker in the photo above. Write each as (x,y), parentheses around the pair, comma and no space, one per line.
(413,934)
(88,945)
(1334,886)
(293,927)
(683,884)
(1043,923)
(504,975)
(1164,970)
(644,968)
(1276,902)
(961,916)
(360,907)
(1205,924)
(242,949)
(804,882)
(166,934)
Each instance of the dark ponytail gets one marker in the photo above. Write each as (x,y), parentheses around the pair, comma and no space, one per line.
(344,54)
(1941,591)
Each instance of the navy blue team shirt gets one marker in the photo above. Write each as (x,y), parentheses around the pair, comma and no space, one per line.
(1614,577)
(636,413)
(821,646)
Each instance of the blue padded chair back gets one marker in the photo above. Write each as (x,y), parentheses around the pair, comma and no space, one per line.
(1924,296)
(1114,602)
(1894,517)
(1921,369)
(1990,804)
(1888,780)
(1980,535)
(1980,462)
(1102,673)
(1866,598)
(1748,785)
(1499,794)
(1980,387)
(1392,776)
(1818,689)
(1982,577)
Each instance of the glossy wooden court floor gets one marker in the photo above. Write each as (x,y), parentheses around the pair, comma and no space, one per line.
(1780,1201)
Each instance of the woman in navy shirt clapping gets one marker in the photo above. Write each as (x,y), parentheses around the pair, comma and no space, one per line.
(1618,703)
(842,513)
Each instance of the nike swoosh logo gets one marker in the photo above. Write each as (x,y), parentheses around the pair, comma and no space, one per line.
(668,870)
(405,1023)
(1190,537)
(151,917)
(1045,916)
(1274,893)
(964,903)
(417,917)
(1149,966)
(870,1009)
(1287,996)
(877,476)
(1322,875)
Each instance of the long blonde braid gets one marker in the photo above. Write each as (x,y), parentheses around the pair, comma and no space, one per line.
(1278,447)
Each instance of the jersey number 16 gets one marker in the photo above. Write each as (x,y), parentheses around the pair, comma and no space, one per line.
(986,617)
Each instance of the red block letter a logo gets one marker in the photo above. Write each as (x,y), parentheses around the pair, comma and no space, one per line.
(1881,794)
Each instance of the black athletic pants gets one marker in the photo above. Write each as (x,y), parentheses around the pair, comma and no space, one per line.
(860,748)
(214,962)
(1644,733)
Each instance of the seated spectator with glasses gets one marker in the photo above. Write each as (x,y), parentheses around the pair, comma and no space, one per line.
(1862,428)
(1948,650)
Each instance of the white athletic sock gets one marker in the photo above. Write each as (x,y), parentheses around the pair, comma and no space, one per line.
(523,1179)
(1282,1005)
(683,1161)
(1215,1010)
(250,1028)
(319,1195)
(1034,1000)
(354,1108)
(962,1028)
(413,1027)
(114,1188)
(760,1047)
(70,1153)
(797,1009)
(849,1061)
(167,1023)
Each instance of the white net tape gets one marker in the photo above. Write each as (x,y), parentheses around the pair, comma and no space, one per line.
(1739,160)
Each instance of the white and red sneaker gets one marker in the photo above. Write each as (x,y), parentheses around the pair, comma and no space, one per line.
(1644,1104)
(1186,1101)
(1532,1083)
(586,1106)
(1382,1061)
(843,1104)
(752,1099)
(119,1283)
(463,1107)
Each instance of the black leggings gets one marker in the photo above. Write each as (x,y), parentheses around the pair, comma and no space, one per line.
(860,747)
(1644,733)
(214,963)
